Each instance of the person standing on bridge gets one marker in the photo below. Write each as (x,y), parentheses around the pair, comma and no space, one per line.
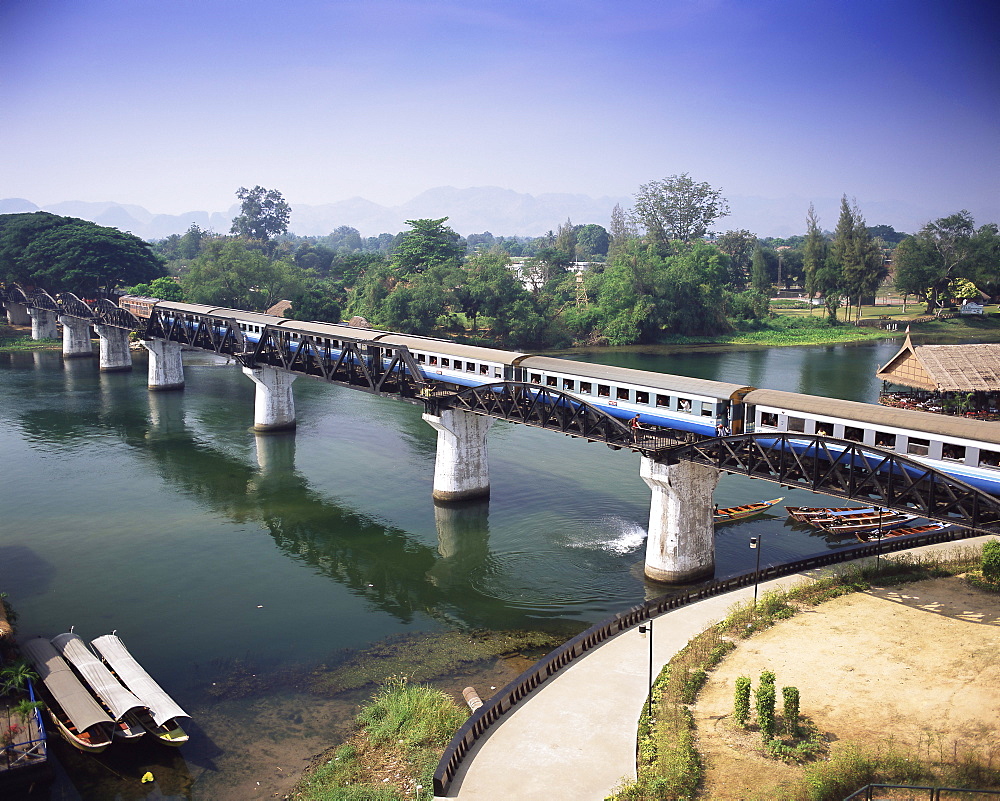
(634,425)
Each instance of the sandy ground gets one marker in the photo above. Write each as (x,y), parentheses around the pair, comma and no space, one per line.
(918,665)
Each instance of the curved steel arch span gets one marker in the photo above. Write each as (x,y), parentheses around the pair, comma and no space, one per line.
(849,470)
(72,306)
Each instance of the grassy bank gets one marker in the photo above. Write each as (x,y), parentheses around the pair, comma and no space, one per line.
(12,339)
(669,765)
(401,735)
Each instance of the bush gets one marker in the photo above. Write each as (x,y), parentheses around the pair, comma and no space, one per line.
(790,712)
(765,709)
(741,702)
(991,561)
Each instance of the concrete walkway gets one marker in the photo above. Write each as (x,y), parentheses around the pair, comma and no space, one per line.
(575,738)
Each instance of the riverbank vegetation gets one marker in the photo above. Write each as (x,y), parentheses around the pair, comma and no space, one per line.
(669,765)
(655,276)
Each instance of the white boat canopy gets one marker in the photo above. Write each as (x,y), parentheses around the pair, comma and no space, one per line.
(74,699)
(94,672)
(114,652)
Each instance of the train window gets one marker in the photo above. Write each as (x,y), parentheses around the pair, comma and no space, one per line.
(568,383)
(884,440)
(918,447)
(769,419)
(826,429)
(445,362)
(470,367)
(663,401)
(954,453)
(989,459)
(421,358)
(603,391)
(851,433)
(458,364)
(641,397)
(621,393)
(796,424)
(484,369)
(497,372)
(684,405)
(707,409)
(551,381)
(434,359)
(536,378)
(585,386)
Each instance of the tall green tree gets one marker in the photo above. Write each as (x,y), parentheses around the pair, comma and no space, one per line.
(263,215)
(228,273)
(813,254)
(592,241)
(739,246)
(621,232)
(678,208)
(566,240)
(428,243)
(760,277)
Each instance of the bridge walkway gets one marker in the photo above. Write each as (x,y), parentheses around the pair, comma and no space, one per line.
(573,739)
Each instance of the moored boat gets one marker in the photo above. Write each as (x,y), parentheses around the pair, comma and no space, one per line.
(806,513)
(77,716)
(906,531)
(865,524)
(731,513)
(164,714)
(120,703)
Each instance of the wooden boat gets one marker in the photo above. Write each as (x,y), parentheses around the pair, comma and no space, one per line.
(731,513)
(906,531)
(162,716)
(76,715)
(806,513)
(867,524)
(119,702)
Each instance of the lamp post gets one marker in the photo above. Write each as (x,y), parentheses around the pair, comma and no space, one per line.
(755,545)
(646,632)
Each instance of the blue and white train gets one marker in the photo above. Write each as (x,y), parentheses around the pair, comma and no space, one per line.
(966,449)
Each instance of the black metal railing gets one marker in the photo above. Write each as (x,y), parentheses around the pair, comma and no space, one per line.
(492,710)
(868,792)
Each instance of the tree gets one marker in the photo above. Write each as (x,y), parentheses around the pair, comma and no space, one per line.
(739,246)
(163,288)
(429,243)
(677,208)
(943,250)
(622,230)
(814,254)
(263,214)
(592,240)
(68,254)
(316,301)
(566,240)
(230,274)
(760,277)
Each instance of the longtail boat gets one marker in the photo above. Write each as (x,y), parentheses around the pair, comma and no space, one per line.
(806,513)
(731,513)
(867,524)
(76,714)
(164,715)
(906,531)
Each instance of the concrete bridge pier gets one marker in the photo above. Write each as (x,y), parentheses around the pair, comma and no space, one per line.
(461,470)
(681,544)
(76,338)
(17,313)
(43,324)
(115,355)
(166,367)
(274,405)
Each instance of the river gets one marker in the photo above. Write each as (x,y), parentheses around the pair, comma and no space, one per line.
(215,552)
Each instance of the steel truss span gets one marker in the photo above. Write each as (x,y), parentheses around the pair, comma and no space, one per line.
(848,470)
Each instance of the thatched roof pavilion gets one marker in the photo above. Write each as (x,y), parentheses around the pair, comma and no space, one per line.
(944,368)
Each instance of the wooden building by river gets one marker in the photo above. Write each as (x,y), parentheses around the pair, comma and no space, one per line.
(948,379)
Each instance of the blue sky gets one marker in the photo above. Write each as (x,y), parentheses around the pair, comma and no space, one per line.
(173,104)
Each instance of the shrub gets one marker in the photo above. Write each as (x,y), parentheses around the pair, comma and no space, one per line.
(741,702)
(768,677)
(790,712)
(991,561)
(764,699)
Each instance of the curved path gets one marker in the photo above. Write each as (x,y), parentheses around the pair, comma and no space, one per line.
(574,738)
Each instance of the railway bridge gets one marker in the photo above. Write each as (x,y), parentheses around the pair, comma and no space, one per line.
(681,468)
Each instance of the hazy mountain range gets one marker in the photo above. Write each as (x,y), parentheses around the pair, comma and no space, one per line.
(478,209)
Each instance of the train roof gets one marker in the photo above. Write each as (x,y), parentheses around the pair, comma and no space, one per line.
(875,414)
(454,349)
(331,330)
(645,378)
